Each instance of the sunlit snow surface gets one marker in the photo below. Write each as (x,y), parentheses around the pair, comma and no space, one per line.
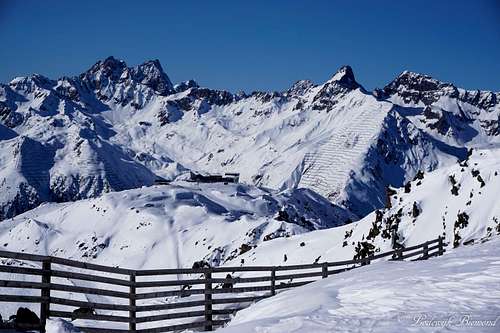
(175,225)
(454,290)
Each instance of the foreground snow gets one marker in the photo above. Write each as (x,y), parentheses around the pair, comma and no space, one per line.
(60,326)
(458,288)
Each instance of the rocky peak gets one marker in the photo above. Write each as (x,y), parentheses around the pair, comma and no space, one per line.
(29,84)
(112,71)
(345,77)
(151,74)
(417,88)
(414,88)
(110,67)
(340,84)
(415,81)
(183,86)
(300,87)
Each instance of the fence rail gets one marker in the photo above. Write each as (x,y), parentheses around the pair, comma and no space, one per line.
(128,292)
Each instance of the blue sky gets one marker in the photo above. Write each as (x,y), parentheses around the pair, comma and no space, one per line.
(257,45)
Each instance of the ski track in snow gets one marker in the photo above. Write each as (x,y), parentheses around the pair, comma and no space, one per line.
(328,169)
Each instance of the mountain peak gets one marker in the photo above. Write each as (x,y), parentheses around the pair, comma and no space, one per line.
(109,67)
(300,87)
(417,81)
(185,85)
(345,77)
(151,74)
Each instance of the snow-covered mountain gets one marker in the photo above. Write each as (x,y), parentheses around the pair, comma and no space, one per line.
(450,114)
(168,225)
(116,127)
(459,203)
(178,224)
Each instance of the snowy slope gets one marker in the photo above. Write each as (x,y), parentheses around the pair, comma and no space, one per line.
(422,210)
(169,225)
(443,294)
(176,225)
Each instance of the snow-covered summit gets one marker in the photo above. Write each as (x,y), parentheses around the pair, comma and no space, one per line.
(449,113)
(149,73)
(420,88)
(345,77)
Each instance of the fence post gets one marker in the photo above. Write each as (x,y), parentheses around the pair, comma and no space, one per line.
(324,270)
(398,254)
(132,297)
(440,243)
(208,300)
(273,281)
(426,251)
(45,293)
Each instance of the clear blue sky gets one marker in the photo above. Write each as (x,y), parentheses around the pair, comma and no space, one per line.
(257,45)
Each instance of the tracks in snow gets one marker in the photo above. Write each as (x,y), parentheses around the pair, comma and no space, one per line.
(329,168)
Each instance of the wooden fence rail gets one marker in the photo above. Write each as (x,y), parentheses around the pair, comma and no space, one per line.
(200,291)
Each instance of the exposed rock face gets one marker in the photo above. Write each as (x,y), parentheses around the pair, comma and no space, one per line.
(183,86)
(339,85)
(466,116)
(414,88)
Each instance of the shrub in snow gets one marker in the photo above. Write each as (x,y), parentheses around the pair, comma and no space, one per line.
(374,231)
(200,264)
(454,185)
(480,180)
(415,210)
(391,224)
(245,248)
(26,319)
(82,312)
(419,175)
(364,250)
(461,222)
(228,285)
(388,193)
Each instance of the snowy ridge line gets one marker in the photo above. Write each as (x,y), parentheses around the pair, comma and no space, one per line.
(212,316)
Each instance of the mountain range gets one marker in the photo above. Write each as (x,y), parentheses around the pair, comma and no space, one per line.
(116,127)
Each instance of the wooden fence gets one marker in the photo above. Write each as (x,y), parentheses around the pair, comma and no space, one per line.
(132,288)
